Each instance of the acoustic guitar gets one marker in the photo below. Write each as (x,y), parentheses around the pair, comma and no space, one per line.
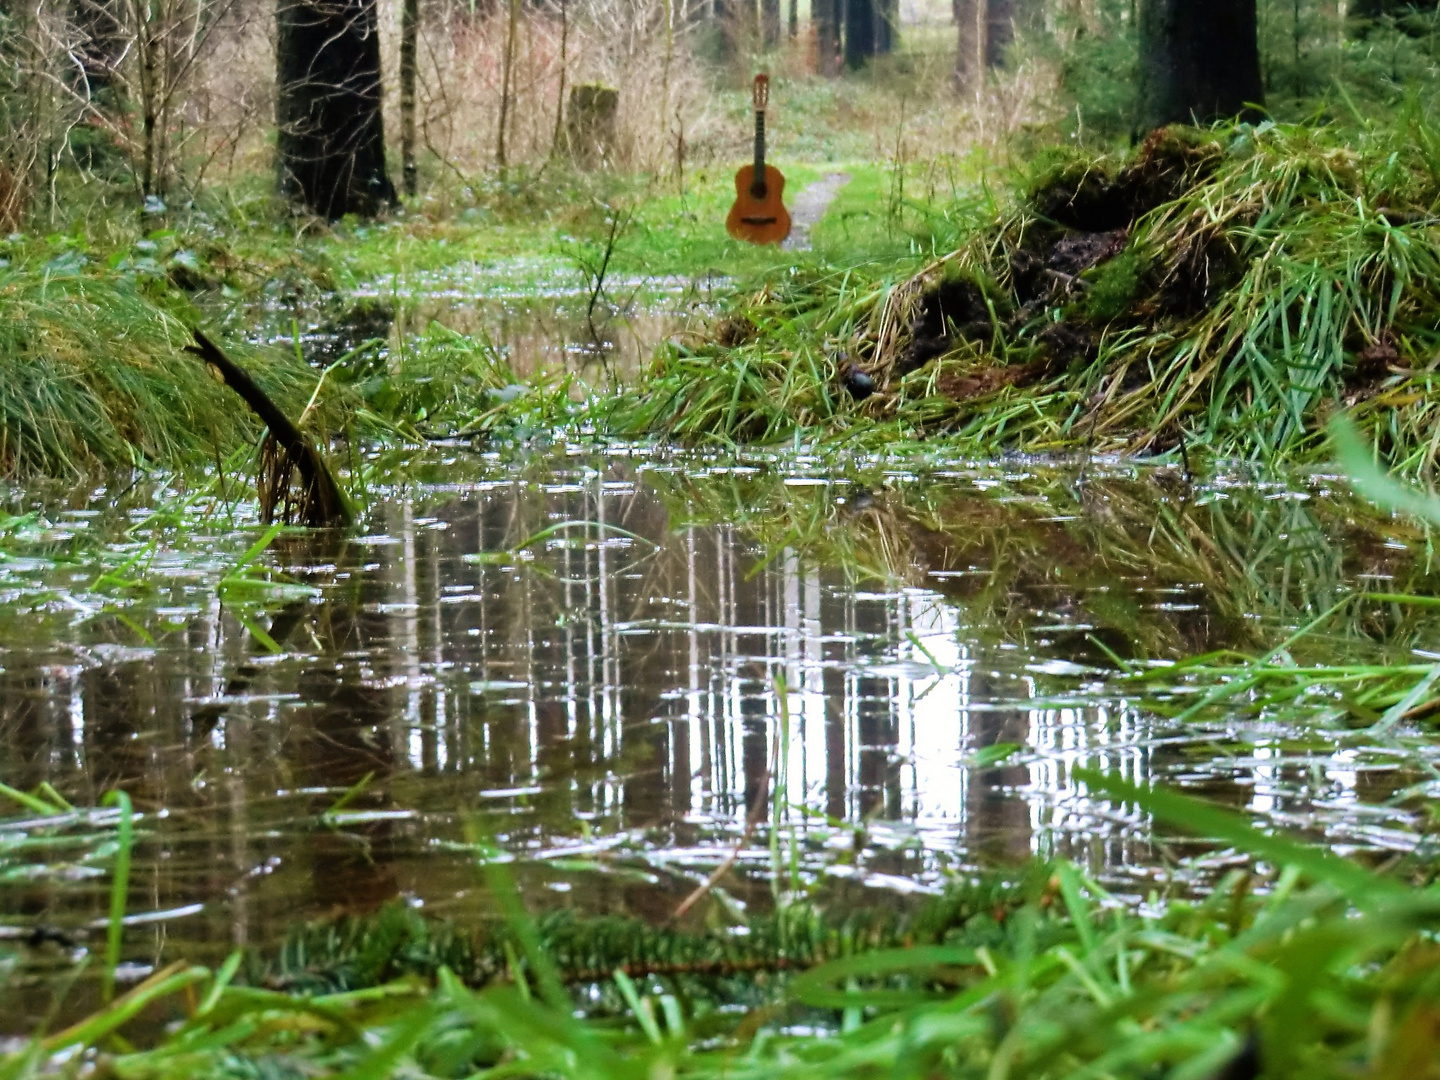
(758,215)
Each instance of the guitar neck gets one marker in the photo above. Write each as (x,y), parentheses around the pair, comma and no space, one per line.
(760,143)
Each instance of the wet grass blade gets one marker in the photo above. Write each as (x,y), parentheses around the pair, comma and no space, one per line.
(1374,482)
(220,983)
(122,1010)
(353,792)
(119,888)
(33,803)
(1211,822)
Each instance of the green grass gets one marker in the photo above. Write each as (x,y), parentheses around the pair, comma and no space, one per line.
(1306,964)
(1315,966)
(1318,247)
(93,375)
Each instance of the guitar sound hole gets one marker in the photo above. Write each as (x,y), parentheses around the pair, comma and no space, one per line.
(758,191)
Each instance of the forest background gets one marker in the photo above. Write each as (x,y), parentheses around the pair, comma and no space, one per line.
(106,101)
(178,160)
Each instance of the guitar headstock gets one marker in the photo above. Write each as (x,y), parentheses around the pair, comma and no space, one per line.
(760,92)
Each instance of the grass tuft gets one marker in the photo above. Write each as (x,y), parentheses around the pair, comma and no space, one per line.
(93,376)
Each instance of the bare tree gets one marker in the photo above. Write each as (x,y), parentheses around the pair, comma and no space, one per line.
(37,106)
(512,24)
(135,61)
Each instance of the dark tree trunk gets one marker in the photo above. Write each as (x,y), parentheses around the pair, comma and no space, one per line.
(723,14)
(1199,61)
(331,144)
(999,31)
(859,32)
(409,76)
(794,26)
(770,22)
(886,18)
(826,15)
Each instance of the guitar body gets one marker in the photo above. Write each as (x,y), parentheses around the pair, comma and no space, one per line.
(759,219)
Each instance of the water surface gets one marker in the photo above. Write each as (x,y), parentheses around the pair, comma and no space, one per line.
(602,663)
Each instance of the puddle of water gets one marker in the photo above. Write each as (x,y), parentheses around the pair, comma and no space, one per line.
(537,311)
(604,703)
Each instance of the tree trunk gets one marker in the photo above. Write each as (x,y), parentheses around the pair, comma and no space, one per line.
(507,68)
(331,144)
(985,28)
(770,22)
(859,32)
(723,15)
(970,42)
(409,52)
(1199,61)
(591,124)
(409,55)
(999,31)
(886,20)
(826,16)
(564,67)
(794,27)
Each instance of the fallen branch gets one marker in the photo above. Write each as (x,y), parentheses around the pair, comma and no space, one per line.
(318,503)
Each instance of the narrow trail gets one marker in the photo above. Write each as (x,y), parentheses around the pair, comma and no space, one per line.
(810,207)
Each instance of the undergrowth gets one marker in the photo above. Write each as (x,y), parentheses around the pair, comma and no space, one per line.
(93,376)
(1224,290)
(1227,289)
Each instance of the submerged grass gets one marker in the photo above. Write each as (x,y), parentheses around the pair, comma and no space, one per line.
(1302,965)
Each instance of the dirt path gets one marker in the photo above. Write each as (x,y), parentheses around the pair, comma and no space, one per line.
(810,206)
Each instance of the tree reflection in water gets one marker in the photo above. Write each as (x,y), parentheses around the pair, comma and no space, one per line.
(615,698)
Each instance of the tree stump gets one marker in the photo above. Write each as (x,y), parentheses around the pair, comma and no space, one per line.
(591,124)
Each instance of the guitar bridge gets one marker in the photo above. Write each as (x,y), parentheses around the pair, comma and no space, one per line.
(759,220)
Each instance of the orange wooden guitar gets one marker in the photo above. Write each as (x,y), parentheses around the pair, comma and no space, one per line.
(758,214)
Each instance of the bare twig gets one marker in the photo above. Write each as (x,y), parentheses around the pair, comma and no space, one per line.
(752,820)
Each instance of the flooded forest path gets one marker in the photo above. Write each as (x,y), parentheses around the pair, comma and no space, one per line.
(587,653)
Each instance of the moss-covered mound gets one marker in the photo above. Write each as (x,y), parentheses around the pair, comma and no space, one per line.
(1229,288)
